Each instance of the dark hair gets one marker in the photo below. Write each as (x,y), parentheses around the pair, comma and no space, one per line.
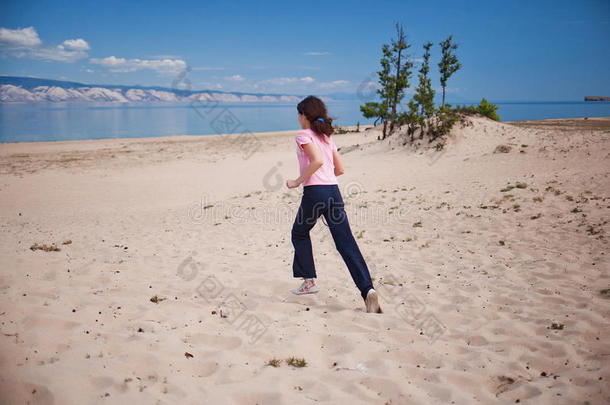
(314,110)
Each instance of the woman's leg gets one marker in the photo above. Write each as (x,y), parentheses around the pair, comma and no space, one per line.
(336,217)
(307,215)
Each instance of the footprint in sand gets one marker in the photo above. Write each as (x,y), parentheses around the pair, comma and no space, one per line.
(207,369)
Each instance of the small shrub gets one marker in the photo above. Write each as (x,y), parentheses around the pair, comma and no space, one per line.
(156,299)
(488,110)
(446,119)
(294,362)
(485,108)
(274,363)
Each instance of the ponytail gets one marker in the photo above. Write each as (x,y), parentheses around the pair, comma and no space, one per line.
(315,111)
(322,125)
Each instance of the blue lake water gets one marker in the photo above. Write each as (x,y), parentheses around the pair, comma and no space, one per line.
(55,121)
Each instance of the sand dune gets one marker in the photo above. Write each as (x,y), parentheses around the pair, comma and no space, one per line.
(489,267)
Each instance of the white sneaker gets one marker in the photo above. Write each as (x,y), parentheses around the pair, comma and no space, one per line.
(372,302)
(307,287)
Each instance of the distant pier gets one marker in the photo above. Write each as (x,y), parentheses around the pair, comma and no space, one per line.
(596,98)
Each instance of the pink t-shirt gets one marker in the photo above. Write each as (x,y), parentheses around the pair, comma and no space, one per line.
(326,173)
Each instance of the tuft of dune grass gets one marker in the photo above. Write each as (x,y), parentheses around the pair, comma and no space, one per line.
(274,363)
(294,362)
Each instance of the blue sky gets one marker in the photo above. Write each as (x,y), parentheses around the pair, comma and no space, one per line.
(510,50)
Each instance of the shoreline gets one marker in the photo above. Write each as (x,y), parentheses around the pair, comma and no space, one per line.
(351,128)
(168,138)
(595,123)
(564,119)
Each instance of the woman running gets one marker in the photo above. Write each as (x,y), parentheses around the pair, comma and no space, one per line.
(320,164)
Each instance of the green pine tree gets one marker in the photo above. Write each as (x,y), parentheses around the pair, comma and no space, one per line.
(424,93)
(393,80)
(401,66)
(412,118)
(449,63)
(373,109)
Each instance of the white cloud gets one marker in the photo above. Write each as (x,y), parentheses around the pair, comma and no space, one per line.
(285,85)
(58,54)
(110,61)
(162,66)
(20,37)
(25,43)
(165,57)
(75,45)
(236,78)
(334,83)
(282,81)
(317,53)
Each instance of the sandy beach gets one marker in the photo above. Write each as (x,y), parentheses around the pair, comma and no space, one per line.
(158,270)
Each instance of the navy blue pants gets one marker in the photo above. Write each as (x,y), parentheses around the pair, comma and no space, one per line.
(326,200)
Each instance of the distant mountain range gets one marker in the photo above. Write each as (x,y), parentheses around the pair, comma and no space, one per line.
(28,89)
(14,89)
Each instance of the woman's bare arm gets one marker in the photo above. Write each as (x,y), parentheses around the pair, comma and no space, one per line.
(315,162)
(339,170)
